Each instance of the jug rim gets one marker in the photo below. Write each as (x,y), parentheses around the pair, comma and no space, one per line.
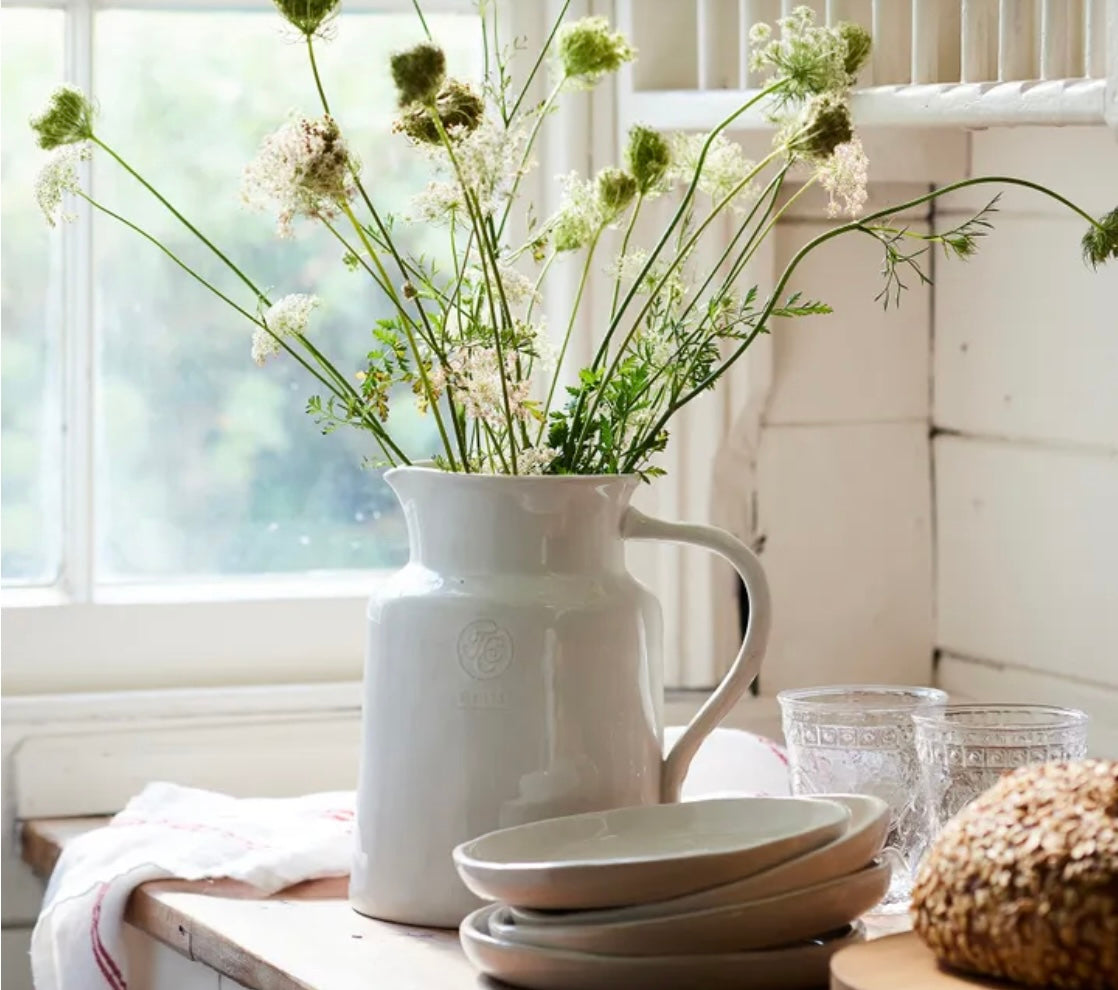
(518,478)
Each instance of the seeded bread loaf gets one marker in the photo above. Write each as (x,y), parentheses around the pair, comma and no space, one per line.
(1023,883)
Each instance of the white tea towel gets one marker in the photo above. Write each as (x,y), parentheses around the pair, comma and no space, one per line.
(170,831)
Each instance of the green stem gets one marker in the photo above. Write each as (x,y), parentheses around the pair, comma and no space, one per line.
(681,211)
(344,394)
(682,253)
(845,229)
(570,330)
(526,157)
(621,254)
(381,227)
(422,19)
(544,49)
(186,223)
(484,249)
(421,366)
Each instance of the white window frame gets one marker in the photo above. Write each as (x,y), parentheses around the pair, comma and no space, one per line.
(79,636)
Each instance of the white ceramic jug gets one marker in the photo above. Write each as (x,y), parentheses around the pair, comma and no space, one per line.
(513,673)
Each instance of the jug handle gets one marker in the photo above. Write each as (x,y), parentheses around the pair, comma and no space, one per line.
(746,666)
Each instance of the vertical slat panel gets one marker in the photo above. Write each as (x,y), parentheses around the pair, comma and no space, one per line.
(935,41)
(752,12)
(664,34)
(892,42)
(857,12)
(718,44)
(1055,28)
(980,40)
(1095,41)
(1017,50)
(1077,27)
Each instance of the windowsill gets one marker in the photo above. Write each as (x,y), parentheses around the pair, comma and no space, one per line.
(306,937)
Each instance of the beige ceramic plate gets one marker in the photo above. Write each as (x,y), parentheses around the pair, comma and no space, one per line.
(642,854)
(854,849)
(793,967)
(779,920)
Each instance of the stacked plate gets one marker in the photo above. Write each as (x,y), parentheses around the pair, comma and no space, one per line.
(730,892)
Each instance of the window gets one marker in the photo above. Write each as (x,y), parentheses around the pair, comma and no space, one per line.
(156,482)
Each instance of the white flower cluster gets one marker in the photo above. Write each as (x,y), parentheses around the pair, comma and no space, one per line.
(304,169)
(725,168)
(59,178)
(535,460)
(845,175)
(582,216)
(813,55)
(286,318)
(628,268)
(475,375)
(490,160)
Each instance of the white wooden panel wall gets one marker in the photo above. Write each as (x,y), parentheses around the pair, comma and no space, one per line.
(843,489)
(1026,371)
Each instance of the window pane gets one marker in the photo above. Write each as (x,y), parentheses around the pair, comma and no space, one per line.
(31,53)
(208,464)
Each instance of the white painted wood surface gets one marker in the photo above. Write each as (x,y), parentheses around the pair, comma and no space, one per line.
(1028,539)
(1026,372)
(861,363)
(846,517)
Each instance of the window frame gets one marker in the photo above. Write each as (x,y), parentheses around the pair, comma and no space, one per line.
(77,635)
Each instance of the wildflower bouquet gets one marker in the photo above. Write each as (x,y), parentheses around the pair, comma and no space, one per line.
(467,342)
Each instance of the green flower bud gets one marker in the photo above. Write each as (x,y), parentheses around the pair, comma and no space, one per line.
(68,119)
(615,190)
(647,157)
(858,43)
(460,110)
(828,124)
(307,16)
(588,50)
(1100,244)
(419,73)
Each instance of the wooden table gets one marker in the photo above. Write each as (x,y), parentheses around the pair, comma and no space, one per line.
(307,938)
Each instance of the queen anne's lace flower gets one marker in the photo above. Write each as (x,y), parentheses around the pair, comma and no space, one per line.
(845,175)
(59,177)
(535,460)
(588,50)
(304,168)
(628,268)
(809,58)
(287,317)
(725,168)
(490,160)
(586,210)
(647,157)
(67,119)
(475,375)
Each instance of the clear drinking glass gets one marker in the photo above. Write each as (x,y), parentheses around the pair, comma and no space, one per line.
(858,738)
(964,749)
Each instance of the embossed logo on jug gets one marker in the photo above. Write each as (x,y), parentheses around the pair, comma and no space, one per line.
(484,649)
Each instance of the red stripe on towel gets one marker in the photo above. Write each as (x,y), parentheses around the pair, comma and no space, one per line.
(109,969)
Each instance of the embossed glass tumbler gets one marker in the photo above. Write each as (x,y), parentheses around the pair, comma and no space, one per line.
(858,738)
(964,749)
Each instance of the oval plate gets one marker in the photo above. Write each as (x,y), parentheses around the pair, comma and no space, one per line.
(780,920)
(854,849)
(793,967)
(642,854)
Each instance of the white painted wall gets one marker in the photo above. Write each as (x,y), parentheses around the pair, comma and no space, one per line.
(1026,463)
(843,478)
